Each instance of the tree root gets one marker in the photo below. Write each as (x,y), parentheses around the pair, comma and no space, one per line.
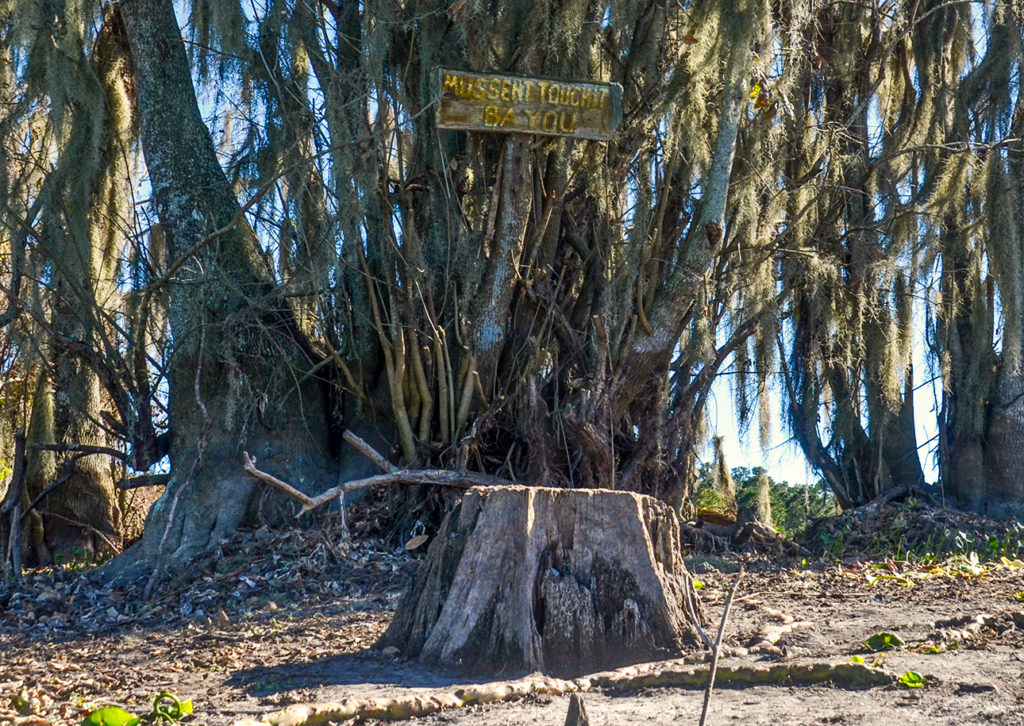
(766,640)
(672,673)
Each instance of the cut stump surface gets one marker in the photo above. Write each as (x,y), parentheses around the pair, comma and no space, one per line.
(564,581)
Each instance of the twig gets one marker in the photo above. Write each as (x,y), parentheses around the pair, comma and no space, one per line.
(692,609)
(718,647)
(369,452)
(68,470)
(68,467)
(83,449)
(249,467)
(144,480)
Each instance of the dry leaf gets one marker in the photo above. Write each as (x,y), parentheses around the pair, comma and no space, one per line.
(416,541)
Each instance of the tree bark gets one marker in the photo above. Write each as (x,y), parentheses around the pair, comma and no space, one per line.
(563,581)
(1001,490)
(237,372)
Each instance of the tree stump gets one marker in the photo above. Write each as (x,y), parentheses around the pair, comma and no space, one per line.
(565,581)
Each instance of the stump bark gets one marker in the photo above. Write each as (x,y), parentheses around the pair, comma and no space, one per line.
(562,581)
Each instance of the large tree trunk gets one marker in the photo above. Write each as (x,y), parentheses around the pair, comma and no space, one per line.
(238,371)
(563,581)
(1001,489)
(82,242)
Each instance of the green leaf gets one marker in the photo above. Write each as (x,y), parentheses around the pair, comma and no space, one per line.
(698,585)
(857,659)
(883,641)
(910,679)
(110,716)
(1019,596)
(167,707)
(905,581)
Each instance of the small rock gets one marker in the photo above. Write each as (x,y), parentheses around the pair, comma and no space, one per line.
(390,651)
(271,606)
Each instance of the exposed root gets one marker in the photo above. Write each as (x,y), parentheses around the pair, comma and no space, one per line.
(766,639)
(648,675)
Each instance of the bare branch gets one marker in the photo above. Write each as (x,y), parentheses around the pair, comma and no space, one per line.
(718,647)
(369,452)
(249,467)
(146,480)
(392,475)
(83,449)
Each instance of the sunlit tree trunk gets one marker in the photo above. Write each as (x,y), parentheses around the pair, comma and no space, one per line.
(239,364)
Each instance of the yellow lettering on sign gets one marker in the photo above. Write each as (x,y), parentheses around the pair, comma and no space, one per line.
(527,105)
(498,116)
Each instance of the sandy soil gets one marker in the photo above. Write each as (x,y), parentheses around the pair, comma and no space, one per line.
(281,618)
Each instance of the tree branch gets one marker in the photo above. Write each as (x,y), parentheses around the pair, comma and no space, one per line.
(249,467)
(392,475)
(146,480)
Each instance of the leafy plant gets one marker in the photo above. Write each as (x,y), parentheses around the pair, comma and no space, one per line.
(110,716)
(166,708)
(883,641)
(857,659)
(910,679)
(903,580)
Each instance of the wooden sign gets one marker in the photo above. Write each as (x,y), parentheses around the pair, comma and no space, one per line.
(512,104)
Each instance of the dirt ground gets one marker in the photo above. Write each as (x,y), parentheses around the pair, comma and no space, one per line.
(280,618)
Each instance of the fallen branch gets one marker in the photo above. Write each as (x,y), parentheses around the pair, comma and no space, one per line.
(435,477)
(369,452)
(392,475)
(249,467)
(631,678)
